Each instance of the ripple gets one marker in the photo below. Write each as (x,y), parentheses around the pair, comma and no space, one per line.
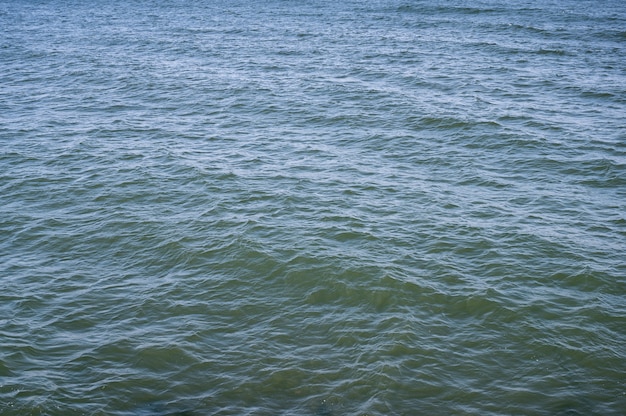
(348,209)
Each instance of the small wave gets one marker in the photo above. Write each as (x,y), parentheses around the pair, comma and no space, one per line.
(557,52)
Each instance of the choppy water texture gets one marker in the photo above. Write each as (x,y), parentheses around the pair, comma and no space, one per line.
(312,207)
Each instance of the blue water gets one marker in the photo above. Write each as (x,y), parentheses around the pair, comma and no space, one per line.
(312,208)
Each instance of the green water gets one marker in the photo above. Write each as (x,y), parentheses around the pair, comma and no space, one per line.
(362,208)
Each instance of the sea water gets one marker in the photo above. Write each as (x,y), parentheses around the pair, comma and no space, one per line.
(312,207)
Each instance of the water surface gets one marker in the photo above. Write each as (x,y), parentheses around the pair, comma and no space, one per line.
(312,208)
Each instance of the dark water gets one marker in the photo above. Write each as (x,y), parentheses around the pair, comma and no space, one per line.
(313,207)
